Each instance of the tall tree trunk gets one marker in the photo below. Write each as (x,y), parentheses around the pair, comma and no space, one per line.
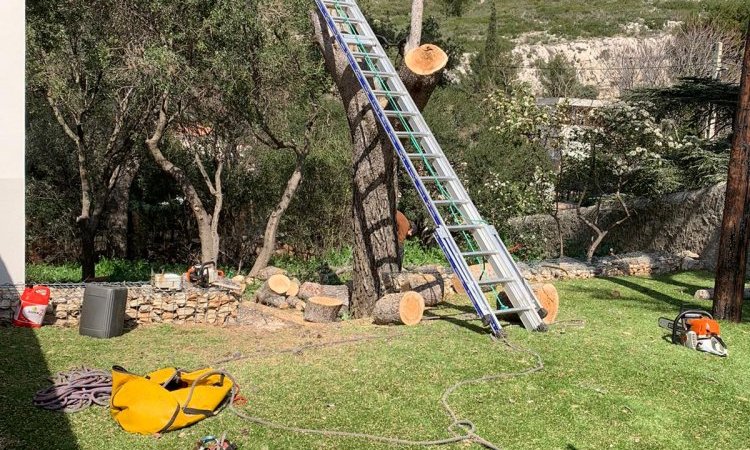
(88,251)
(119,202)
(269,238)
(373,180)
(732,258)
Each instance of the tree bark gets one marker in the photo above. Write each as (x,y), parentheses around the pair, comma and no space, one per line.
(117,218)
(373,181)
(732,258)
(415,29)
(88,251)
(269,238)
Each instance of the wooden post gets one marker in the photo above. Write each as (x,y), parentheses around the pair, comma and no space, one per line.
(732,258)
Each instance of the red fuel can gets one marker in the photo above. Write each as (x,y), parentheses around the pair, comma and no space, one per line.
(30,312)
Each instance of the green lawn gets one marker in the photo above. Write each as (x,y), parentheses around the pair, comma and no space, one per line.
(615,383)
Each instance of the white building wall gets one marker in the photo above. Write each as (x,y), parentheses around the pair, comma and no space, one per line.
(12,186)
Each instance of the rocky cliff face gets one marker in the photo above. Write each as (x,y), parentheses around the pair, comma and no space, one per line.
(611,64)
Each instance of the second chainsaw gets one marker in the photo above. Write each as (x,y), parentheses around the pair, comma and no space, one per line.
(696,329)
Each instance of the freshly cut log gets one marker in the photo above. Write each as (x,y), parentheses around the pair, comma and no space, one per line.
(264,274)
(429,285)
(267,296)
(548,298)
(399,308)
(293,288)
(322,309)
(308,289)
(279,283)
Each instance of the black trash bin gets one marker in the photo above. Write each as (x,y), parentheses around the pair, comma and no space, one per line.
(103,311)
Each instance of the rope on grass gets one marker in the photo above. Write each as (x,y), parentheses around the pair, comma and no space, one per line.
(461,429)
(75,390)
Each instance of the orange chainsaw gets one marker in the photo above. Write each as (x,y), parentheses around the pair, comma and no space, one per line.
(696,329)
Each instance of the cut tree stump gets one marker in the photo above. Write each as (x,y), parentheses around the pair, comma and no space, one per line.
(322,309)
(548,298)
(429,285)
(399,308)
(308,290)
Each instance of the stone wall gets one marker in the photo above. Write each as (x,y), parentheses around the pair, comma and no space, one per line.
(685,221)
(145,305)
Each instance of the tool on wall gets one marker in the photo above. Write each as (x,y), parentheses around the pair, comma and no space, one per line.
(696,329)
(204,274)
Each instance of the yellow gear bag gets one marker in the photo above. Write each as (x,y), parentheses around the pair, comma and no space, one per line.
(166,399)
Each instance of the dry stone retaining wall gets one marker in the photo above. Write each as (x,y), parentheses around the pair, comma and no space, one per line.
(145,305)
(680,222)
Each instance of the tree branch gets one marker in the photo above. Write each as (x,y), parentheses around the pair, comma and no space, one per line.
(415,30)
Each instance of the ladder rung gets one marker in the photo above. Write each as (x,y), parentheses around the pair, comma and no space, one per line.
(370,55)
(463,227)
(480,253)
(392,113)
(408,134)
(423,155)
(387,93)
(338,3)
(358,39)
(494,281)
(370,73)
(505,312)
(438,178)
(450,202)
(346,20)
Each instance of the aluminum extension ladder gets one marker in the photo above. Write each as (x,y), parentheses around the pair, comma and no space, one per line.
(460,230)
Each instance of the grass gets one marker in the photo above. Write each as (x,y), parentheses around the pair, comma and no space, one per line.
(113,269)
(615,383)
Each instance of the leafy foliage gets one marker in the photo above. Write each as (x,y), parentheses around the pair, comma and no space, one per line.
(559,78)
(494,67)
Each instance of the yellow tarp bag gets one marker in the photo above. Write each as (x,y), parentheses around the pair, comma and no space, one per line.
(166,399)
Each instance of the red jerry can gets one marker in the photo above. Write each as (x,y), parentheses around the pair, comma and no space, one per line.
(30,312)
